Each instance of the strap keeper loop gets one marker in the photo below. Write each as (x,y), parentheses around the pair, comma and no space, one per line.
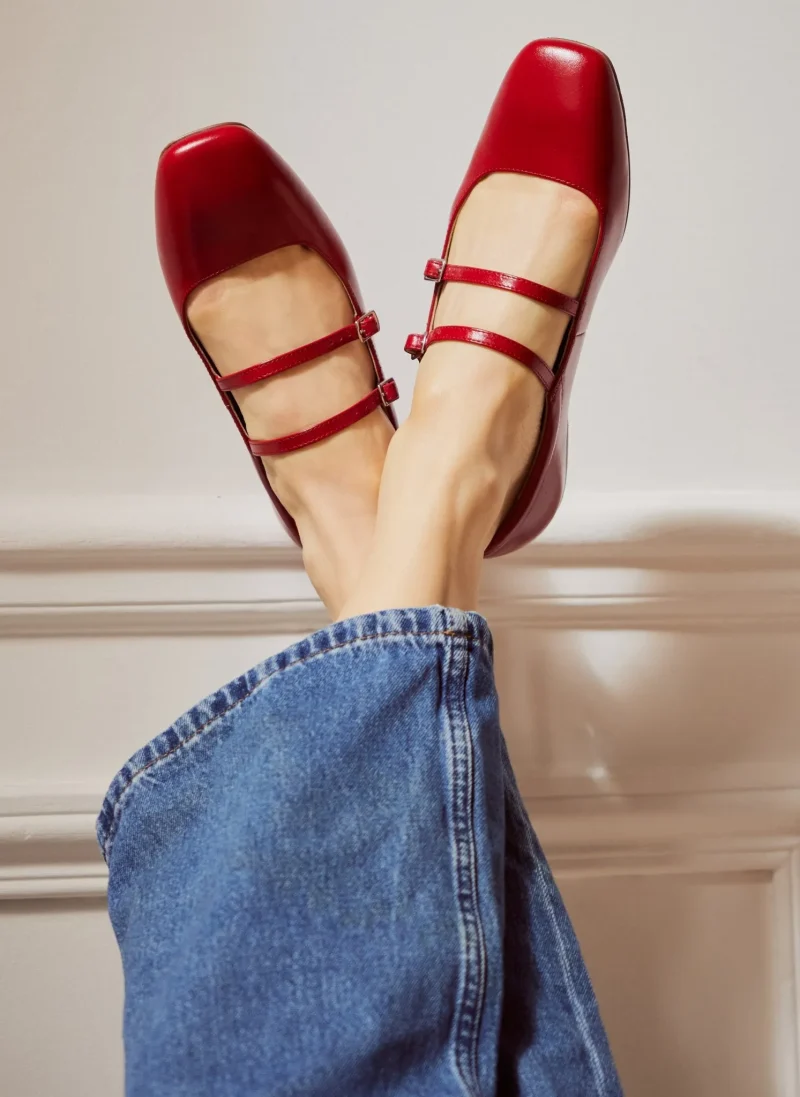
(434,270)
(415,345)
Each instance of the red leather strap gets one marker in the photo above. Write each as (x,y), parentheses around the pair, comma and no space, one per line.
(385,394)
(437,270)
(416,346)
(363,328)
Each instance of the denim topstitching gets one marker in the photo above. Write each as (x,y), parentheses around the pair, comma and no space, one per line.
(461,759)
(541,885)
(108,820)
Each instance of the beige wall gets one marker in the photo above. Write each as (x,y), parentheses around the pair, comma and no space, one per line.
(647,647)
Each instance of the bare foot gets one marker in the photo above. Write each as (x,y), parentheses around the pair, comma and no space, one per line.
(264,308)
(538,230)
(456,464)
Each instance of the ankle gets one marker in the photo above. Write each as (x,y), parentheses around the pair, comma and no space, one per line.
(429,545)
(460,478)
(336,530)
(345,480)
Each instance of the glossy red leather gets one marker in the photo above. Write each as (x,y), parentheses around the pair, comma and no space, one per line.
(364,327)
(558,115)
(383,394)
(416,345)
(436,270)
(223,197)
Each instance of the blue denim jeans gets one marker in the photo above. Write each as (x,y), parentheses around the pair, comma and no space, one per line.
(324,883)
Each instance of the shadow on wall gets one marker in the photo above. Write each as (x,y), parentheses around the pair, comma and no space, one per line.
(668,663)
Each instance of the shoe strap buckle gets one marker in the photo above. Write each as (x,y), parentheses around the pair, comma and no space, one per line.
(367,325)
(387,390)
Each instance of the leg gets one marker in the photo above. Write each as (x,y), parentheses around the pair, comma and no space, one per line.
(322,878)
(454,466)
(306,873)
(326,865)
(428,993)
(264,308)
(552,1038)
(310,875)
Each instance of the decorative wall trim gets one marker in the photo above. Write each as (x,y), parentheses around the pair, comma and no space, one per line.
(48,847)
(785,896)
(50,855)
(48,851)
(778,611)
(127,566)
(256,618)
(630,529)
(196,566)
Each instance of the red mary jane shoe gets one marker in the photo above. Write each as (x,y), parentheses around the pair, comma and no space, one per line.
(558,115)
(223,197)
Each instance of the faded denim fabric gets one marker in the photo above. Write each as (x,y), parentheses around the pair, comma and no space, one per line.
(324,883)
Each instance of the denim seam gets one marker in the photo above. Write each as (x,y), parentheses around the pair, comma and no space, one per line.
(462,766)
(581,1019)
(121,795)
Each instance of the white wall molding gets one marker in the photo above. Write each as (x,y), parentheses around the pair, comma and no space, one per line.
(48,852)
(194,566)
(778,611)
(261,618)
(191,565)
(48,847)
(50,857)
(615,528)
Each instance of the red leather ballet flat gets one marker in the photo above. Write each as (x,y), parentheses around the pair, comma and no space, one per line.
(223,196)
(558,115)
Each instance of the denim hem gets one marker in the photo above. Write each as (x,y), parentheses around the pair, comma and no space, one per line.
(426,621)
